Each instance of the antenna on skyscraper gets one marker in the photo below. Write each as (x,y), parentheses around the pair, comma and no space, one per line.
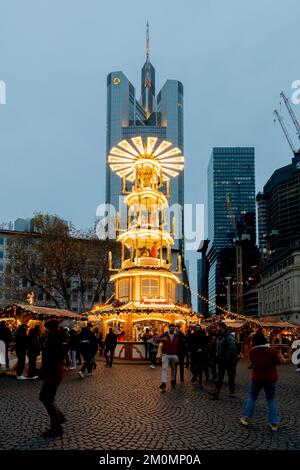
(147,44)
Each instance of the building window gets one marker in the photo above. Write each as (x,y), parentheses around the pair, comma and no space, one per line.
(149,287)
(124,290)
(170,291)
(1,241)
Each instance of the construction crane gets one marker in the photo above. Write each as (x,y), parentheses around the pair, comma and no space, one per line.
(291,113)
(239,257)
(287,136)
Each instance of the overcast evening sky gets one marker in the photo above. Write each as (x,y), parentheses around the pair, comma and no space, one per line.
(233,58)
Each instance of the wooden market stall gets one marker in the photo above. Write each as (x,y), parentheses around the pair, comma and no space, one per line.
(16,314)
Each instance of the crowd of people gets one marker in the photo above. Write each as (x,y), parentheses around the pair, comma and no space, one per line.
(208,354)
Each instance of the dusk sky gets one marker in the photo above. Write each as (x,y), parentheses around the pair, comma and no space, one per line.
(233,57)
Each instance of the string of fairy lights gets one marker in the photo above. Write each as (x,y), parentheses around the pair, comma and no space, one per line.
(224,310)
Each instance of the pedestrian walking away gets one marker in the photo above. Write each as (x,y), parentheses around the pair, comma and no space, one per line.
(264,376)
(227,358)
(73,347)
(170,341)
(109,347)
(145,339)
(34,350)
(52,373)
(21,350)
(181,352)
(88,346)
(198,347)
(153,349)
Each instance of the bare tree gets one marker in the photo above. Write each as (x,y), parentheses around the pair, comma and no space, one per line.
(58,261)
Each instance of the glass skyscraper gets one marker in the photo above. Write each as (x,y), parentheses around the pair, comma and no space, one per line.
(159,115)
(231,213)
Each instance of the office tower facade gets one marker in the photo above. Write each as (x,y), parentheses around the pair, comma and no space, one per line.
(279,227)
(279,232)
(231,218)
(158,115)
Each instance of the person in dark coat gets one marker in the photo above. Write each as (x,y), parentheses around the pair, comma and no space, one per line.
(21,350)
(88,347)
(34,350)
(198,346)
(73,347)
(52,373)
(227,359)
(145,339)
(109,348)
(181,351)
(6,337)
(264,360)
(188,349)
(212,354)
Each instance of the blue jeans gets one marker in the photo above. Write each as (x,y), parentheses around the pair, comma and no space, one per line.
(73,355)
(254,391)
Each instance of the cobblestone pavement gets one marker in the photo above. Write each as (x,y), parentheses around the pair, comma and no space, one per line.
(122,408)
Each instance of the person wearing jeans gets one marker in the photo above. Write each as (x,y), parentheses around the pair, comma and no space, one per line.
(264,376)
(170,341)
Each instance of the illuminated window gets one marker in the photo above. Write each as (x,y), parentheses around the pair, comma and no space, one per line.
(124,290)
(149,287)
(170,291)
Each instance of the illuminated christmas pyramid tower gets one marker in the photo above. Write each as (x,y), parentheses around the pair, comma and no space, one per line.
(145,285)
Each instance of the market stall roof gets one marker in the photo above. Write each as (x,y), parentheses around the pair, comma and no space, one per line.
(269,322)
(229,323)
(38,312)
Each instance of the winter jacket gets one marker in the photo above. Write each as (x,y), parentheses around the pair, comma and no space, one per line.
(198,340)
(87,341)
(53,358)
(264,360)
(110,341)
(226,349)
(74,341)
(34,345)
(21,341)
(169,347)
(181,344)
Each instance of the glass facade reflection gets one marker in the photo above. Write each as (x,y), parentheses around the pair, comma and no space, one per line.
(231,196)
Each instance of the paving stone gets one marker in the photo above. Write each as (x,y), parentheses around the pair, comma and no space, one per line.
(123,408)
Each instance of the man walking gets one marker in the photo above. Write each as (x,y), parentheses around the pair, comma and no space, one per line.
(170,341)
(181,351)
(199,345)
(109,348)
(88,346)
(52,374)
(21,350)
(227,358)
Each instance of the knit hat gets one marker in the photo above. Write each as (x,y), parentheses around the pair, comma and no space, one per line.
(51,325)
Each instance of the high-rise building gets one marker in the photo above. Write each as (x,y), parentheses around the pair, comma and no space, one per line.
(154,115)
(279,224)
(231,218)
(279,235)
